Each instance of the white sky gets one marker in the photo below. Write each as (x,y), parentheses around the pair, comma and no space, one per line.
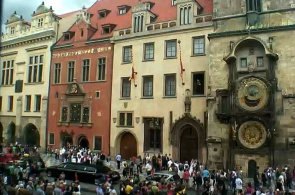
(27,7)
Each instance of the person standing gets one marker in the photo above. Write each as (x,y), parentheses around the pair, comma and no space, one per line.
(239,185)
(118,158)
(256,179)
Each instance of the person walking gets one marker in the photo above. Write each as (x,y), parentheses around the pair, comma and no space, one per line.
(118,158)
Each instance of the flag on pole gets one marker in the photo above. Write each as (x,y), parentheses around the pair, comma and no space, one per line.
(181,65)
(132,77)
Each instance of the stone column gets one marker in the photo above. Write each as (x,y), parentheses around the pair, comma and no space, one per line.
(19,134)
(42,130)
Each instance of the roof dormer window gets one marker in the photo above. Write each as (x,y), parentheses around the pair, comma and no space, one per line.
(103,13)
(68,35)
(40,22)
(123,9)
(107,28)
(173,2)
(12,30)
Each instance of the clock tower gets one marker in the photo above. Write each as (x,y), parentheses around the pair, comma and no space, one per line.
(250,99)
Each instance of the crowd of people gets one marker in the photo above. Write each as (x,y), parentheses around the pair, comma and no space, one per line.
(27,176)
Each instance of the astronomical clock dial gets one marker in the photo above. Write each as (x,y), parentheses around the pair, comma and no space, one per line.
(252,94)
(252,134)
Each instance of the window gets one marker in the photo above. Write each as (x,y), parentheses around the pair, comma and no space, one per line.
(7,72)
(155,139)
(253,5)
(51,138)
(199,45)
(35,69)
(0,103)
(260,62)
(127,54)
(243,62)
(85,115)
(75,113)
(138,23)
(126,87)
(106,30)
(57,71)
(122,11)
(85,70)
(198,84)
(97,94)
(67,37)
(10,103)
(37,103)
(101,69)
(148,51)
(173,2)
(171,49)
(170,85)
(126,119)
(12,30)
(102,14)
(40,22)
(185,15)
(82,32)
(64,114)
(71,71)
(147,86)
(28,103)
(97,143)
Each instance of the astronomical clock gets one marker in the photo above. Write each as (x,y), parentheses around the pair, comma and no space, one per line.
(252,94)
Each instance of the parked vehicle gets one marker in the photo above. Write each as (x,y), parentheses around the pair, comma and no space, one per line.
(86,172)
(168,177)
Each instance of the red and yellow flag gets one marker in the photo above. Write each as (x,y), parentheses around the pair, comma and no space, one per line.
(181,65)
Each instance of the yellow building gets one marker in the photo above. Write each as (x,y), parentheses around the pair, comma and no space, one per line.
(154,109)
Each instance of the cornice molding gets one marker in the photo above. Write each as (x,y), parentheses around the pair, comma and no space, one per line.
(37,48)
(28,39)
(8,53)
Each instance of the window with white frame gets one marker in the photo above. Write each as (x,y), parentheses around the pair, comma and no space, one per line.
(122,11)
(148,51)
(37,103)
(171,49)
(138,23)
(147,86)
(127,54)
(7,72)
(173,2)
(185,15)
(40,22)
(85,70)
(12,30)
(170,85)
(198,45)
(101,69)
(126,119)
(71,71)
(35,72)
(126,87)
(57,73)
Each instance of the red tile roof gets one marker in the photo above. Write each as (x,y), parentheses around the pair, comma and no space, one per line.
(163,9)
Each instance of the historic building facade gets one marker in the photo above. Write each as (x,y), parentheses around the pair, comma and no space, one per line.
(81,77)
(251,75)
(25,62)
(158,93)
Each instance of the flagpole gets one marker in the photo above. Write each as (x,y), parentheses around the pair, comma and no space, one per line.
(181,65)
(133,73)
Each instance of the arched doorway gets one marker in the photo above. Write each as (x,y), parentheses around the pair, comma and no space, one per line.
(128,146)
(188,144)
(31,135)
(251,168)
(66,138)
(83,141)
(11,133)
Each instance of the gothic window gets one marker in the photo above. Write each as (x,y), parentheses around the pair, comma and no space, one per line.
(35,71)
(7,72)
(101,68)
(126,87)
(64,114)
(253,5)
(85,70)
(75,113)
(185,15)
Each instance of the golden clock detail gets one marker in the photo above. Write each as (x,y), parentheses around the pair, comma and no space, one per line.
(252,134)
(252,93)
